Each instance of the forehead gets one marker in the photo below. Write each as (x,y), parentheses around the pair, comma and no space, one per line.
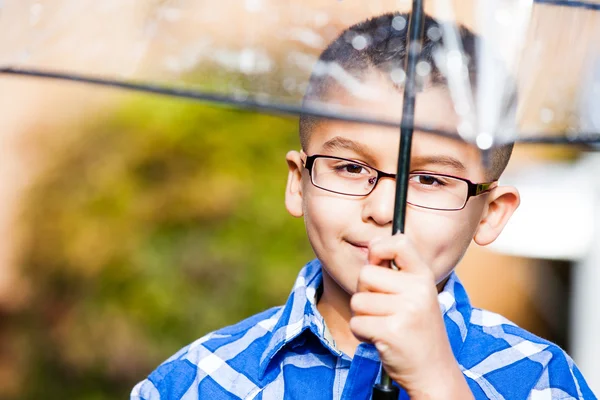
(378,146)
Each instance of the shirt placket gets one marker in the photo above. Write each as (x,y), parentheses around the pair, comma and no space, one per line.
(341,376)
(362,373)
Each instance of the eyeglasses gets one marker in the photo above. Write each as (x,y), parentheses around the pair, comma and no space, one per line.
(425,190)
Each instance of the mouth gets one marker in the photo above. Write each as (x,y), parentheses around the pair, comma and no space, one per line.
(360,246)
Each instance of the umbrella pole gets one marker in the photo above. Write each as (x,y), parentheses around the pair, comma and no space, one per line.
(385,390)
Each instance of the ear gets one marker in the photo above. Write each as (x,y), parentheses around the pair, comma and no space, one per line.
(501,204)
(293,190)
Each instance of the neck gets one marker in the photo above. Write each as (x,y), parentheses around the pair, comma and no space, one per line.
(334,306)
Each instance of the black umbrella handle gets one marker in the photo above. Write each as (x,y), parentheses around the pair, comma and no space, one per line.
(414,44)
(385,390)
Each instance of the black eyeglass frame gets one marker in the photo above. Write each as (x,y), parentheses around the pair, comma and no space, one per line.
(474,189)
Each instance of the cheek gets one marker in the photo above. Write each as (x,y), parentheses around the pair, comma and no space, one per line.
(327,215)
(441,238)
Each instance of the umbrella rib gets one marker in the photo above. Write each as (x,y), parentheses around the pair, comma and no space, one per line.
(583,138)
(250,104)
(571,3)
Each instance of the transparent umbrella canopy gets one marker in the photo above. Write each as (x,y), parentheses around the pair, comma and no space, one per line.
(537,62)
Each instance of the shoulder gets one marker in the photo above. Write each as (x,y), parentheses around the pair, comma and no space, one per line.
(234,348)
(505,358)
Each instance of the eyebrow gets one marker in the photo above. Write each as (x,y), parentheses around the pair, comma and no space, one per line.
(444,161)
(341,143)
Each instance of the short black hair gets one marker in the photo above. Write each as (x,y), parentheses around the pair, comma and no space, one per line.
(379,44)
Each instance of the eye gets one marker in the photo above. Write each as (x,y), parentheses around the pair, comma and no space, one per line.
(353,169)
(427,180)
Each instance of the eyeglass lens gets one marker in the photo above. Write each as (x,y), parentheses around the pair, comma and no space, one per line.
(424,190)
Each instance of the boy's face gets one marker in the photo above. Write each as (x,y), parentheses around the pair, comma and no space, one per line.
(340,227)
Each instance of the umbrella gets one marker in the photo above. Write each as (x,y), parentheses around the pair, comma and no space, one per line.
(520,98)
(244,66)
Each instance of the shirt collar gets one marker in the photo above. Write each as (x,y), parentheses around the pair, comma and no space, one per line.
(456,309)
(300,313)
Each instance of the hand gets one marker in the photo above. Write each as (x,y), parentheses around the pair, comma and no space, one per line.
(399,313)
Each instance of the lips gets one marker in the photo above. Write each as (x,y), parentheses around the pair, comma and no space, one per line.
(361,246)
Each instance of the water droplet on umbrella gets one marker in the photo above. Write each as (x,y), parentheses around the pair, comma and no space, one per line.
(398,76)
(359,42)
(484,141)
(423,68)
(434,33)
(398,23)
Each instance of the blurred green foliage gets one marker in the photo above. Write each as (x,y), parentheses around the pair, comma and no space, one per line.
(161,222)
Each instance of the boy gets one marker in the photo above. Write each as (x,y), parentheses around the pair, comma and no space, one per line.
(346,313)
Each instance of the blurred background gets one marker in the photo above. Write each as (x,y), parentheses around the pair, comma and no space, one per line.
(133,224)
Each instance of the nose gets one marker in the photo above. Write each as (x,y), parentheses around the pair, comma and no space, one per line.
(379,205)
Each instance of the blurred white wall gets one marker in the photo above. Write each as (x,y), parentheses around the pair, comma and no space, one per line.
(559,218)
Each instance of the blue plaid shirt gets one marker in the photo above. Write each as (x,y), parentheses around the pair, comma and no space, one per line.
(287,352)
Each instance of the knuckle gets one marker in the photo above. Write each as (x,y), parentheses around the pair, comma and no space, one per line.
(381,346)
(352,324)
(363,274)
(356,302)
(421,290)
(394,326)
(412,310)
(355,327)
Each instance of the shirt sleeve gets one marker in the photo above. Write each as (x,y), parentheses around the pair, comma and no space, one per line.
(171,380)
(561,379)
(145,390)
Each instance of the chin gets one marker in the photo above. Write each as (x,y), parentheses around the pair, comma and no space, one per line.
(344,274)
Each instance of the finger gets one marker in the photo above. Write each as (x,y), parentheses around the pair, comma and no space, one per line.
(364,327)
(397,248)
(373,278)
(377,261)
(394,248)
(376,304)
